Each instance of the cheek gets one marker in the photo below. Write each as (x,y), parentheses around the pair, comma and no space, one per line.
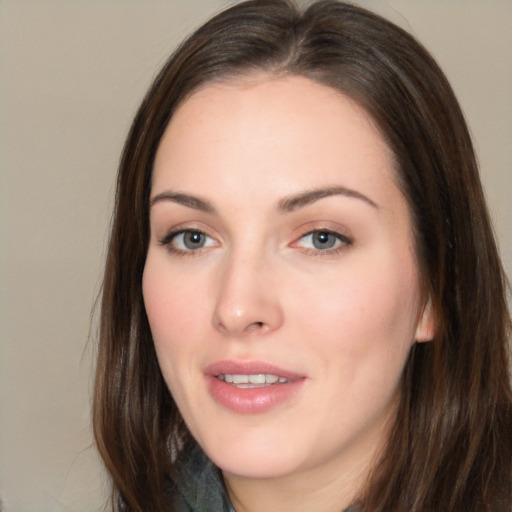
(171,303)
(366,314)
(172,308)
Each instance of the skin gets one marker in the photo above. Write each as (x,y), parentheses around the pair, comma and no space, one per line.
(259,289)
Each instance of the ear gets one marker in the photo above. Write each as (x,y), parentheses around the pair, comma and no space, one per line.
(427,325)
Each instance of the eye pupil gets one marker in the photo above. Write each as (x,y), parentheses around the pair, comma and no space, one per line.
(323,240)
(193,239)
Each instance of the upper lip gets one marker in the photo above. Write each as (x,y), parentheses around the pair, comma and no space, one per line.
(249,368)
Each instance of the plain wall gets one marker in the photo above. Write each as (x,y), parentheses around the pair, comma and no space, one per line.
(71,77)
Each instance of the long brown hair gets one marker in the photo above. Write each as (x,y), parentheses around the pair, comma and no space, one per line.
(451,446)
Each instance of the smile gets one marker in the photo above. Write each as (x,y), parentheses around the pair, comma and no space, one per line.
(251,387)
(252,381)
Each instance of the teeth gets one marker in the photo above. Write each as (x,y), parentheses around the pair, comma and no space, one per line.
(240,379)
(260,378)
(257,379)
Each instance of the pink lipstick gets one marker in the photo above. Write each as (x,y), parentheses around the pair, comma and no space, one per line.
(251,387)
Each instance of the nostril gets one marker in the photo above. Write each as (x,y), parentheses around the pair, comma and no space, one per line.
(255,326)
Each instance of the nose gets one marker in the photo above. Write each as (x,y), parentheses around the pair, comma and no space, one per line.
(247,301)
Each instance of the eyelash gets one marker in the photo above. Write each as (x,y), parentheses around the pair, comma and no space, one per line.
(172,235)
(344,242)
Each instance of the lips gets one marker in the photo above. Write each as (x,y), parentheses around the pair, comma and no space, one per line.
(251,387)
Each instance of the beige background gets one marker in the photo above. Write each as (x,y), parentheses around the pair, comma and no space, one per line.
(72,75)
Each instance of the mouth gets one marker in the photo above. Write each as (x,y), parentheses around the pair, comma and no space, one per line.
(258,380)
(256,373)
(251,387)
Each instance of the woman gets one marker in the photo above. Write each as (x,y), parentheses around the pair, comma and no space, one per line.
(303,306)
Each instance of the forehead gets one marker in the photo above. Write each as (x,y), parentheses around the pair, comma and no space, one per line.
(288,129)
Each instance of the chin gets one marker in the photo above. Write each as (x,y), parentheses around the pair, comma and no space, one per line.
(254,460)
(255,469)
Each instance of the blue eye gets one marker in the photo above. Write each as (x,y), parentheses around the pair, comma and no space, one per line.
(187,240)
(323,241)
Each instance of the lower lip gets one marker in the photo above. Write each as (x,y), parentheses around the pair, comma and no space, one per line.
(252,400)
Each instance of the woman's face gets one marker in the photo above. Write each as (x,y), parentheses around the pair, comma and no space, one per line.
(280,283)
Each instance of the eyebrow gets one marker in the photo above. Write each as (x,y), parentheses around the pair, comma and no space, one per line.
(294,202)
(185,200)
(286,205)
